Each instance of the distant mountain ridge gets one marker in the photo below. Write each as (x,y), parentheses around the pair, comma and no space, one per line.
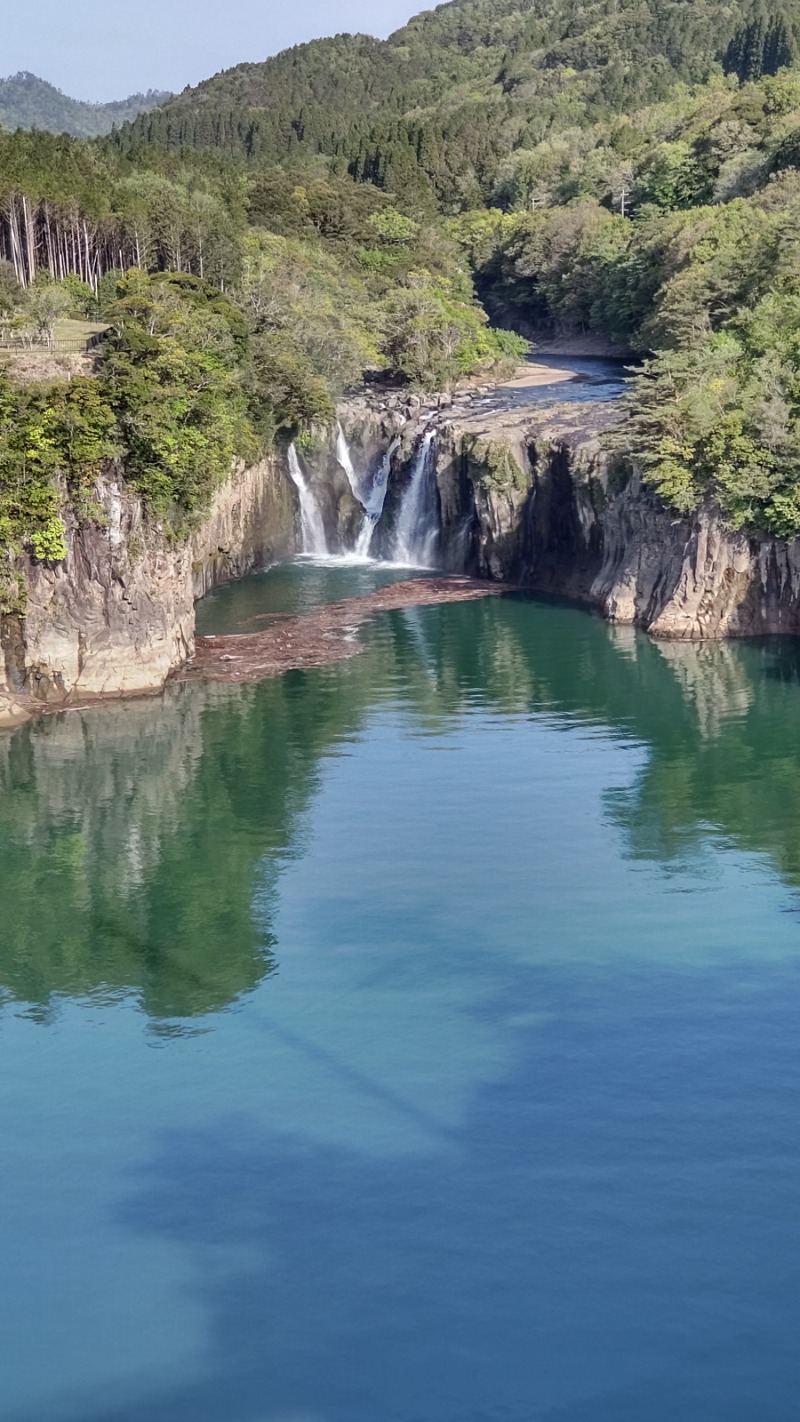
(29,102)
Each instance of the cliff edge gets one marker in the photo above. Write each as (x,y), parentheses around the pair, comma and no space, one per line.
(116,617)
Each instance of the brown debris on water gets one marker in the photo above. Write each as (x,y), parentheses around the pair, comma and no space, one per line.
(323,635)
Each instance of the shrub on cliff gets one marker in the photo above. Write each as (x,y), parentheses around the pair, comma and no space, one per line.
(721,420)
(54,440)
(171,375)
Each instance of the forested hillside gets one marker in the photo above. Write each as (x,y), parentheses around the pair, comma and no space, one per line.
(28,102)
(625,168)
(238,309)
(435,110)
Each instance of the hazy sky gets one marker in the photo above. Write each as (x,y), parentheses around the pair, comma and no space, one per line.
(93,49)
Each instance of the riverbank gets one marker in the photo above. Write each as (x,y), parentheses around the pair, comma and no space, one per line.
(320,637)
(514,485)
(533,376)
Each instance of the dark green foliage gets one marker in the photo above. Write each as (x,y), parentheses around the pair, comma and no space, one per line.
(433,112)
(722,421)
(762,46)
(10,290)
(286,392)
(170,373)
(287,225)
(168,398)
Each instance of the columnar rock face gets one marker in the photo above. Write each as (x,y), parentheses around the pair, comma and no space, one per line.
(250,524)
(693,578)
(117,615)
(570,532)
(529,497)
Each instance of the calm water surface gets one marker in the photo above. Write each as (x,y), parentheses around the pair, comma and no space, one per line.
(410,1040)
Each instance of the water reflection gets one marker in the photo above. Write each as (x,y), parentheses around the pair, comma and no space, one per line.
(137,838)
(510,1129)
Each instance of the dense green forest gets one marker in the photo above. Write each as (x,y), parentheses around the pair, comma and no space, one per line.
(237,310)
(618,167)
(29,102)
(436,110)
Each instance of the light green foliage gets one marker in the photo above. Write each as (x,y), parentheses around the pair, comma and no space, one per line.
(45,305)
(303,296)
(338,308)
(49,544)
(168,399)
(392,227)
(170,374)
(434,339)
(54,440)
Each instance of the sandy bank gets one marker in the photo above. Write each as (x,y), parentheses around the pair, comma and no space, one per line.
(531,376)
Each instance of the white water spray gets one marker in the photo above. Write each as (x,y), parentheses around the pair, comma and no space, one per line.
(371,494)
(375,500)
(313,529)
(346,460)
(364,540)
(418,524)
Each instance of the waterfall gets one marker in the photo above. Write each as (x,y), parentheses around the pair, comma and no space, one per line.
(364,540)
(370,494)
(346,460)
(417,529)
(375,500)
(313,529)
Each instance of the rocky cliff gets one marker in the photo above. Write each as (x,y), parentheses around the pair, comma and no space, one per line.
(526,493)
(529,494)
(117,616)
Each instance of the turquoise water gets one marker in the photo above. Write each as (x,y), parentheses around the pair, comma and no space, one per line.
(409,1040)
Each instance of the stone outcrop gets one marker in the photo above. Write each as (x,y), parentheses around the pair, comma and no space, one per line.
(693,578)
(250,525)
(529,495)
(566,529)
(116,617)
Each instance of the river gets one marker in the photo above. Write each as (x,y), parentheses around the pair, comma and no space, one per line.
(413,1039)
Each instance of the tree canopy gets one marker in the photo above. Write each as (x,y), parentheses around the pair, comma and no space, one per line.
(259,242)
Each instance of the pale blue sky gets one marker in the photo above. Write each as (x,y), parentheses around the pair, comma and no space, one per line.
(93,49)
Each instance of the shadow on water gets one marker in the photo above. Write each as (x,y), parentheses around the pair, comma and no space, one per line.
(568,1192)
(539,1263)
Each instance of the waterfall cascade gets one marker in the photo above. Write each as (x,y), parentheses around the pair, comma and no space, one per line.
(313,529)
(371,494)
(375,501)
(346,460)
(417,530)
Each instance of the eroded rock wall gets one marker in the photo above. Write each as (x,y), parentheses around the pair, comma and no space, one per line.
(571,532)
(117,615)
(693,578)
(530,497)
(250,525)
